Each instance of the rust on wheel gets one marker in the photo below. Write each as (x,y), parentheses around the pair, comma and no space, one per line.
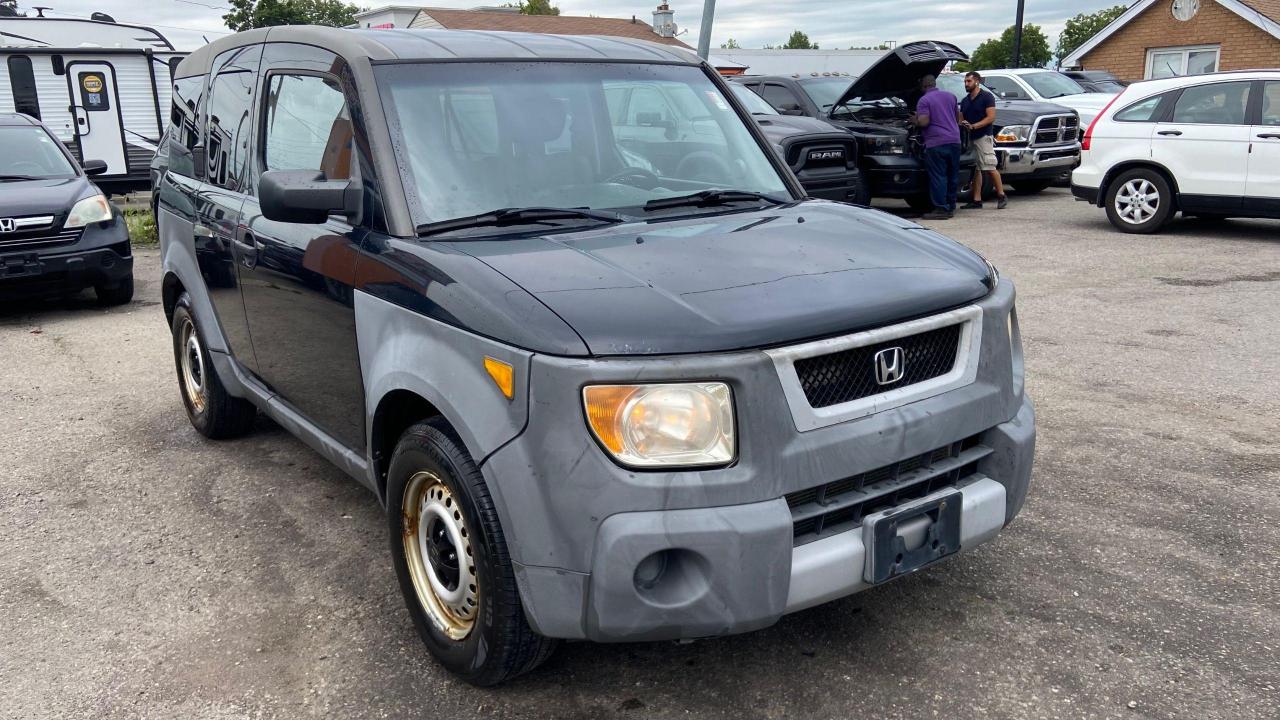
(437,549)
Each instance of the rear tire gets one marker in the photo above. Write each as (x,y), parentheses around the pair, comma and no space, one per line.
(213,412)
(118,294)
(451,558)
(1139,201)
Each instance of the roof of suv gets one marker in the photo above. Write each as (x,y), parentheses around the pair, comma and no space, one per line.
(17,119)
(1181,80)
(478,45)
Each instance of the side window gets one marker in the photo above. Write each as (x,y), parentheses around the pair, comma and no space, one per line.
(1213,104)
(779,97)
(306,126)
(1271,103)
(22,80)
(229,108)
(1005,88)
(1141,111)
(184,128)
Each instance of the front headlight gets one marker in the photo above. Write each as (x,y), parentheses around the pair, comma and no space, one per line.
(92,209)
(683,424)
(1013,134)
(890,145)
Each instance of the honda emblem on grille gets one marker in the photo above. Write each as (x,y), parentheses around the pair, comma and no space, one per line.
(6,225)
(890,365)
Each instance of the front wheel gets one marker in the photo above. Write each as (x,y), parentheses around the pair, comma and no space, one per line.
(1139,201)
(117,294)
(451,559)
(920,203)
(1031,187)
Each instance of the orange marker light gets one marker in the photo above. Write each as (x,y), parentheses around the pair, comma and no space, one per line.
(604,404)
(502,374)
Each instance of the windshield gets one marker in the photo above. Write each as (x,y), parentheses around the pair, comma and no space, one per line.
(755,104)
(478,137)
(824,92)
(1052,84)
(29,151)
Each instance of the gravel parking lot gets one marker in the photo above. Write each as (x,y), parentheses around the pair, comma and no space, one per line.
(147,572)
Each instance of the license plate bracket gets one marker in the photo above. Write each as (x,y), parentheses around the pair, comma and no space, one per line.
(906,539)
(16,266)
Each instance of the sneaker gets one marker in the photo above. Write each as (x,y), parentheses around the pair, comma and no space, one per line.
(937,214)
(1002,202)
(973,205)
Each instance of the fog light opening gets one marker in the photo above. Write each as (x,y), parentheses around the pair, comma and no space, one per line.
(672,577)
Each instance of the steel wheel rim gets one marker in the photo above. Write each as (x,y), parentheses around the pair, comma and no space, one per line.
(192,365)
(1137,201)
(437,549)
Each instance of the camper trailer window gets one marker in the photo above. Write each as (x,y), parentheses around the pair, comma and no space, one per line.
(22,79)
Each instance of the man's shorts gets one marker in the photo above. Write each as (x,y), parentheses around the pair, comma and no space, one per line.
(985,148)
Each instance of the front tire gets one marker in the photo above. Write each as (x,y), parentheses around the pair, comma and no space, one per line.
(920,203)
(451,559)
(1031,187)
(118,294)
(213,411)
(1139,201)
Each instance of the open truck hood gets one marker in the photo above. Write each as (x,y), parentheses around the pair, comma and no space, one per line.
(897,73)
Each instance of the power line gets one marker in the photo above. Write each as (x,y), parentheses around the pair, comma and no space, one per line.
(211,7)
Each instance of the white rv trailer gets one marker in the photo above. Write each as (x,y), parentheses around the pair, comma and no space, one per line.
(103,88)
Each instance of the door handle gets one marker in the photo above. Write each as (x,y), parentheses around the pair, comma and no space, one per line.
(1270,136)
(81,117)
(247,248)
(1175,133)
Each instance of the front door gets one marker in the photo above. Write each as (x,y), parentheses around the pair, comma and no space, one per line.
(1205,144)
(1263,185)
(298,279)
(96,110)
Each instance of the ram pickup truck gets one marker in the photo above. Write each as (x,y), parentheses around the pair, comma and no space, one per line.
(603,392)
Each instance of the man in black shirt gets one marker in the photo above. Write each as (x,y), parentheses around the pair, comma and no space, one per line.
(977,113)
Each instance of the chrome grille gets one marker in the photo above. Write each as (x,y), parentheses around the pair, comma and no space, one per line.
(842,504)
(33,235)
(1055,130)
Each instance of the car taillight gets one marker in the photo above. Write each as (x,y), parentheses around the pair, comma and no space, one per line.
(1088,134)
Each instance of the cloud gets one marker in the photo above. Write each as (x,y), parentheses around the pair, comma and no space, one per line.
(753,23)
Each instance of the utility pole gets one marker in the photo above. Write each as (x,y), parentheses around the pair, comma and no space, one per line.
(704,37)
(1017,37)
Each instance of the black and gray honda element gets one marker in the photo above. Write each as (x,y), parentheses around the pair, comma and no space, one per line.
(611,382)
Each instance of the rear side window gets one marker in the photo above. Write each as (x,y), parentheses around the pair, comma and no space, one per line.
(22,80)
(1141,111)
(184,123)
(229,104)
(1213,104)
(307,126)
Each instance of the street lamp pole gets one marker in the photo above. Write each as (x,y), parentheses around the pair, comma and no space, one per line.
(704,37)
(1017,37)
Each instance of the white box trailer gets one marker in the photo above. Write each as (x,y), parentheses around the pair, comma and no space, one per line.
(103,88)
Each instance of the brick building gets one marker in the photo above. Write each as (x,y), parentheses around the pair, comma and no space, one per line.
(1162,38)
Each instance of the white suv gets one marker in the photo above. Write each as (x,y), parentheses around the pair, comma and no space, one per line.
(1208,145)
(1048,86)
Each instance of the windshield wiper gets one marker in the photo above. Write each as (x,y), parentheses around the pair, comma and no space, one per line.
(708,198)
(517,216)
(20,177)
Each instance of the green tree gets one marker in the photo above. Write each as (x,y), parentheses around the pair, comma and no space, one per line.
(538,7)
(730,44)
(250,14)
(799,41)
(1084,26)
(997,53)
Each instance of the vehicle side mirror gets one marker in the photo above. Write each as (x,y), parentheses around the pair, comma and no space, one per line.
(94,167)
(305,196)
(198,157)
(790,109)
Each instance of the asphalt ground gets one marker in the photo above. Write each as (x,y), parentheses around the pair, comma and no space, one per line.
(147,572)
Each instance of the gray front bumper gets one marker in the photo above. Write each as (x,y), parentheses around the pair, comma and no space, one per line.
(578,525)
(1040,162)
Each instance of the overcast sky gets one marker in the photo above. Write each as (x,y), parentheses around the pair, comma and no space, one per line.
(753,23)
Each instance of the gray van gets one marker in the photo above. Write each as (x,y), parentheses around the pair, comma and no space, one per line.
(609,383)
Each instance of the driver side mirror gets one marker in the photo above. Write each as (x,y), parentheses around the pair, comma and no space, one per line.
(94,167)
(305,196)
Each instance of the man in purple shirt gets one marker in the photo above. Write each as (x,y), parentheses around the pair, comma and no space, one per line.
(938,117)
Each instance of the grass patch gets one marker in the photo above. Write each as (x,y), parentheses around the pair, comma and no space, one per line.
(142,227)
